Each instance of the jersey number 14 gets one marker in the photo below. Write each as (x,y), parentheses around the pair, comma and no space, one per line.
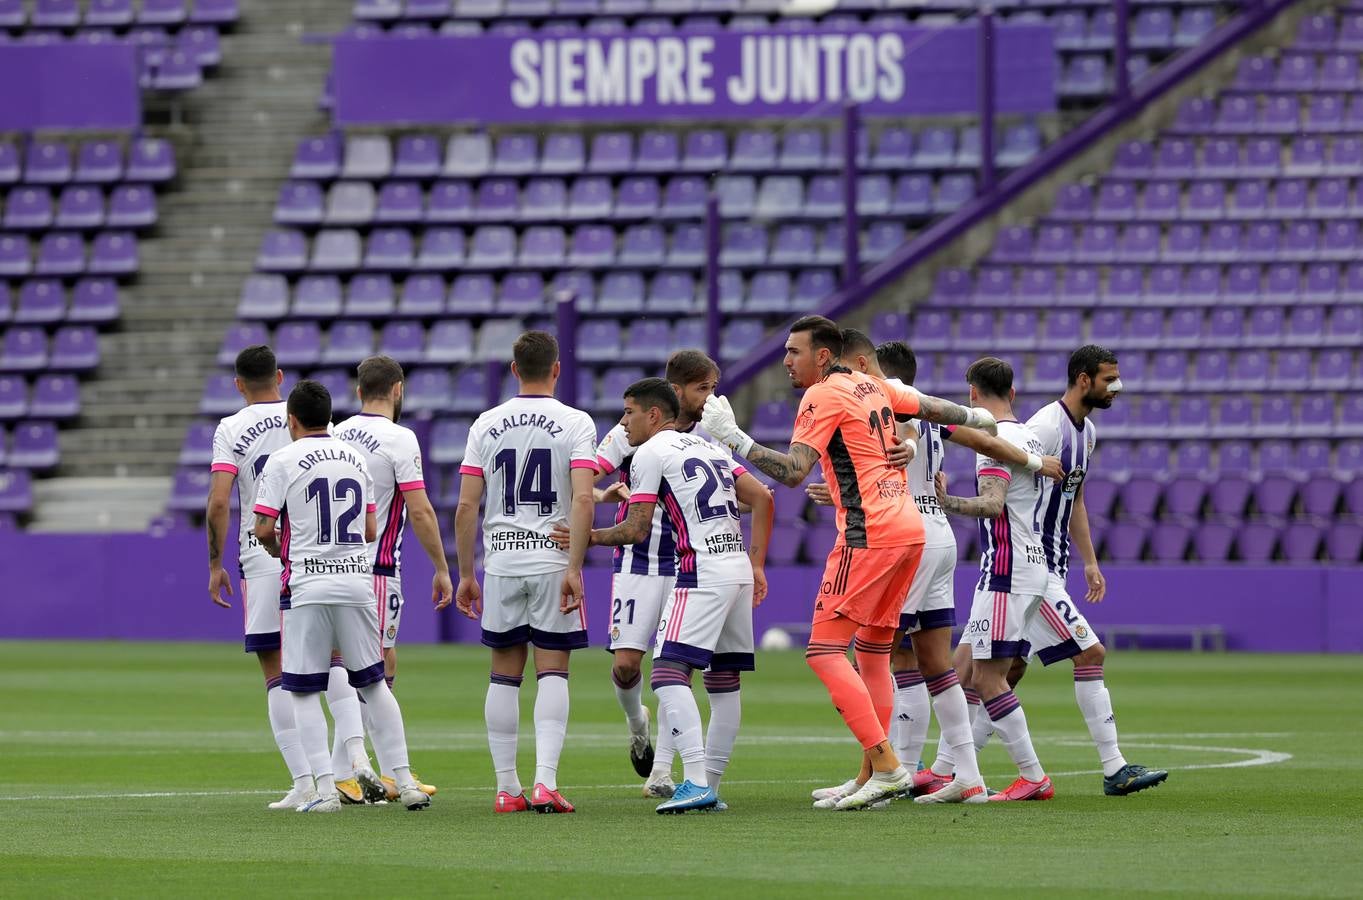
(535,484)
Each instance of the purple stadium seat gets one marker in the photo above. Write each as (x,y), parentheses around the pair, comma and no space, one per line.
(299,203)
(515,154)
(442,249)
(162,12)
(1212,541)
(47,162)
(1183,496)
(318,157)
(522,293)
(15,257)
(621,293)
(953,192)
(317,297)
(348,343)
(936,148)
(24,350)
(13,397)
(738,194)
(403,341)
(298,344)
(593,246)
(389,249)
(131,206)
(75,348)
(450,342)
(238,337)
(418,156)
(544,198)
(34,446)
(451,201)
(220,396)
(350,203)
(427,390)
(542,246)
(29,208)
(1344,542)
(563,153)
(646,341)
(472,295)
(1075,201)
(1256,541)
(1140,496)
(448,440)
(370,296)
(1235,457)
(41,302)
(62,253)
(1274,495)
(399,202)
(612,152)
(1169,541)
(1229,495)
(468,156)
(109,13)
(422,296)
(1013,244)
(891,327)
(1125,541)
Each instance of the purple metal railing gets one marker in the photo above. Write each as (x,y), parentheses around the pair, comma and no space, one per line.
(993,195)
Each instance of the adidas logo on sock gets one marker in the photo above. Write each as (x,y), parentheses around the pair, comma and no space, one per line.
(905,717)
(676,732)
(1110,720)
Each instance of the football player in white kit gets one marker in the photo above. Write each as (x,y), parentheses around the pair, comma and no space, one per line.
(394,458)
(929,613)
(707,623)
(1065,429)
(643,574)
(1012,577)
(314,509)
(242,444)
(537,459)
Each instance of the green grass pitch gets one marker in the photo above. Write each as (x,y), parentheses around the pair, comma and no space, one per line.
(134,770)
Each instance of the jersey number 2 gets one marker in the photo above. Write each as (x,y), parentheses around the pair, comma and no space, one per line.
(320,490)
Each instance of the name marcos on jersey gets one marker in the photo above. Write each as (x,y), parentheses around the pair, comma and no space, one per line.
(249,436)
(534,420)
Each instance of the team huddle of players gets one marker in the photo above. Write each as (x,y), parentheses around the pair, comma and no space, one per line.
(321,567)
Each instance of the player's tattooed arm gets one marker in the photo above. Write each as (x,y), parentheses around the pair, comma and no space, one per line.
(788,468)
(986,506)
(943,412)
(638,523)
(265,533)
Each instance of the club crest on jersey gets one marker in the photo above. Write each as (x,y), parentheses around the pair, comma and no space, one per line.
(1081,632)
(416,462)
(615,633)
(392,632)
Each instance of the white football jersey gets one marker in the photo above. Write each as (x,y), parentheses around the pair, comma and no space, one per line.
(525,450)
(923,469)
(394,458)
(1012,562)
(320,489)
(657,553)
(1060,436)
(241,445)
(692,481)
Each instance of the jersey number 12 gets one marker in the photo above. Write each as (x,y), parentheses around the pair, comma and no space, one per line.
(320,490)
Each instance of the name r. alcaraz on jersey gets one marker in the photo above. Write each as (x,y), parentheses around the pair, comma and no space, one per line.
(534,420)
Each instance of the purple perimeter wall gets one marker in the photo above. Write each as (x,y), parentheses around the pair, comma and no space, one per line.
(140,587)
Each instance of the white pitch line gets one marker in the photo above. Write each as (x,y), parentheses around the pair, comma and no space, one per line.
(1253,758)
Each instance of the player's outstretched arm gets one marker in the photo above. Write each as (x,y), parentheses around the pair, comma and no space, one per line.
(638,523)
(467,597)
(217,519)
(426,525)
(997,448)
(1083,542)
(788,468)
(265,533)
(754,493)
(944,412)
(986,506)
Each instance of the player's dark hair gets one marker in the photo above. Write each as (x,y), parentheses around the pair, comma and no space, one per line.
(310,404)
(897,361)
(655,393)
(856,343)
(991,376)
(1088,359)
(823,333)
(256,366)
(378,374)
(535,353)
(690,366)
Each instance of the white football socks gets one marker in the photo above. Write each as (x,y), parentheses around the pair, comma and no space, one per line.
(1096,704)
(347,748)
(551,724)
(726,713)
(286,736)
(312,732)
(630,696)
(664,751)
(911,717)
(683,717)
(1011,723)
(502,712)
(953,716)
(390,736)
(981,729)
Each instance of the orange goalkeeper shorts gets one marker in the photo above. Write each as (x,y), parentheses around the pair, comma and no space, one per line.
(867,584)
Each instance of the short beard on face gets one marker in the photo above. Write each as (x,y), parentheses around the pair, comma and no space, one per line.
(1098,401)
